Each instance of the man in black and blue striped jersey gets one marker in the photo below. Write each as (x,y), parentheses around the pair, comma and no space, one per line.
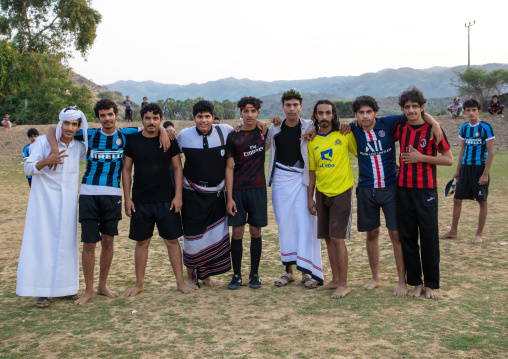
(100,197)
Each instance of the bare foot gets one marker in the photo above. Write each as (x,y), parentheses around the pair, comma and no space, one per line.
(105,291)
(327,286)
(416,292)
(430,293)
(449,234)
(184,288)
(478,238)
(191,284)
(210,282)
(373,283)
(400,290)
(84,298)
(341,292)
(134,290)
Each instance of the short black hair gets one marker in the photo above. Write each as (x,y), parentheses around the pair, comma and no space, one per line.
(216,118)
(151,107)
(145,97)
(167,124)
(365,101)
(105,104)
(412,94)
(335,119)
(292,94)
(472,102)
(202,106)
(495,97)
(254,101)
(32,132)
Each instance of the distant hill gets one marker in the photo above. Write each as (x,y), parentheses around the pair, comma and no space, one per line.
(434,82)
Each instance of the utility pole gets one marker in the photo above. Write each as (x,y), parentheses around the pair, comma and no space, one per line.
(468,43)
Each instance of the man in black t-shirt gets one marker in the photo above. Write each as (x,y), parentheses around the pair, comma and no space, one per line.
(154,200)
(246,189)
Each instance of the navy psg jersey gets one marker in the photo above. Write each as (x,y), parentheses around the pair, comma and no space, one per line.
(248,150)
(475,138)
(105,156)
(376,152)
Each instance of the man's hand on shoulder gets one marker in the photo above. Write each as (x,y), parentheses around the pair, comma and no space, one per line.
(276,121)
(309,135)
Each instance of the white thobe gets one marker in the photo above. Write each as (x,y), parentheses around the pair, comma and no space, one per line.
(48,262)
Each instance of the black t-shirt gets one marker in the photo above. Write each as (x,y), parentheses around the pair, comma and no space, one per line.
(152,178)
(248,150)
(288,146)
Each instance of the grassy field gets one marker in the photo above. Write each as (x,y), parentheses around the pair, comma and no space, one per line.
(468,320)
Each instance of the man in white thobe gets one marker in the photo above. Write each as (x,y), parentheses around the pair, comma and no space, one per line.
(48,261)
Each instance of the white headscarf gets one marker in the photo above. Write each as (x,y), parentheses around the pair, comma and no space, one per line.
(69,114)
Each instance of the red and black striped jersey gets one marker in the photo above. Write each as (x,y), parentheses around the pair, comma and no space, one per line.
(421,174)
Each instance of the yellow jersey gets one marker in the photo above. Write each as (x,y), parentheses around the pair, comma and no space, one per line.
(329,157)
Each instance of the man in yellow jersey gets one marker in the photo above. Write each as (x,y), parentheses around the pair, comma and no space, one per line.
(330,171)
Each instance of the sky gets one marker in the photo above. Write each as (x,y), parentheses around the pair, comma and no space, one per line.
(182,42)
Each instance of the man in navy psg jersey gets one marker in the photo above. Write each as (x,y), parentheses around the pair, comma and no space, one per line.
(100,196)
(246,189)
(376,185)
(417,200)
(477,154)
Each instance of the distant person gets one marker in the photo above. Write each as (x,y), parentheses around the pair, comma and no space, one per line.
(32,135)
(455,108)
(417,199)
(477,154)
(216,120)
(128,109)
(48,262)
(495,108)
(153,201)
(246,190)
(169,124)
(331,176)
(6,121)
(145,102)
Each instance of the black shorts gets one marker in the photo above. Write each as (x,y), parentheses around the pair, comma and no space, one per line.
(368,203)
(169,223)
(467,183)
(99,214)
(128,113)
(251,207)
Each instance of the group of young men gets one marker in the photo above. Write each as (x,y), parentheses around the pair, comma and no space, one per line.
(223,184)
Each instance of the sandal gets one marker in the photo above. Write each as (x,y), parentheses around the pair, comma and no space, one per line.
(42,302)
(308,282)
(284,280)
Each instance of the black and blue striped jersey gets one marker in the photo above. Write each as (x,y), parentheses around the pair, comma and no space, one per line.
(104,157)
(475,138)
(26,153)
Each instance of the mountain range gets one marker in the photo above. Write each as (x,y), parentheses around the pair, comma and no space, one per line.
(435,82)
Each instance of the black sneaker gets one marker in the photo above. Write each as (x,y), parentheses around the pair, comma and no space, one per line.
(236,282)
(254,281)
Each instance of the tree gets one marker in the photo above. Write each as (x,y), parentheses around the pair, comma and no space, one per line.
(478,83)
(49,26)
(344,108)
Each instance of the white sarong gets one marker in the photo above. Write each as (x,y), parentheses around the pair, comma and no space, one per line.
(297,227)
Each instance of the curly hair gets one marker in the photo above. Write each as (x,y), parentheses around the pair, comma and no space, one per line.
(412,94)
(471,103)
(151,107)
(292,94)
(105,104)
(335,119)
(365,101)
(202,106)
(244,101)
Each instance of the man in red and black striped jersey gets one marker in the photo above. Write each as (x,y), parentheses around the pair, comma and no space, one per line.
(417,200)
